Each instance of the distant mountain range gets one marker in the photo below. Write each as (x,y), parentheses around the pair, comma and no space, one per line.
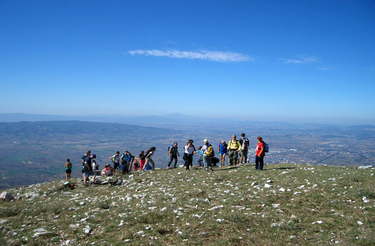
(165,121)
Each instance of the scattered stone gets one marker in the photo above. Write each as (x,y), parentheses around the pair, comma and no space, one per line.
(317,222)
(39,232)
(87,230)
(365,167)
(2,221)
(5,196)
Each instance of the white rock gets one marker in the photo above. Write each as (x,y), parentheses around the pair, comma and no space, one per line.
(365,167)
(5,196)
(318,222)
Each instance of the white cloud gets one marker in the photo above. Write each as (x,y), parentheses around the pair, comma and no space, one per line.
(301,60)
(218,56)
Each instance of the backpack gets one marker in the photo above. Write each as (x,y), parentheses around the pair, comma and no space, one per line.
(109,172)
(124,159)
(173,150)
(245,143)
(210,151)
(266,147)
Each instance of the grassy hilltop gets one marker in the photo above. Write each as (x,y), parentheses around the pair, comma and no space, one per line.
(282,205)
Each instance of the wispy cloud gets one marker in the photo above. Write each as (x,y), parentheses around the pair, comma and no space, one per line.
(218,56)
(301,60)
(325,68)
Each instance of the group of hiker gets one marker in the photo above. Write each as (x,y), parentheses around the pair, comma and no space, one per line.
(233,149)
(236,150)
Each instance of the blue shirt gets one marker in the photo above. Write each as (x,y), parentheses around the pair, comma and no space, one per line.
(223,148)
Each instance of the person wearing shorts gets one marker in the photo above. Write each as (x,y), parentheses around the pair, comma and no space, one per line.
(88,169)
(223,151)
(68,169)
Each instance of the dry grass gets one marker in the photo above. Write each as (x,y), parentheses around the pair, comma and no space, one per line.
(283,205)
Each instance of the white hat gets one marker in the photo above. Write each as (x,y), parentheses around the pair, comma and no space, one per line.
(205,141)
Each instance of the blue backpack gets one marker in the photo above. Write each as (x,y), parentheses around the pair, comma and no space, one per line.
(266,147)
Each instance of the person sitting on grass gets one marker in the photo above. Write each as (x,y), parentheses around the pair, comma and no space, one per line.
(107,171)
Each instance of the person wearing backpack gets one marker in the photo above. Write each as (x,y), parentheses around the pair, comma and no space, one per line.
(208,153)
(83,163)
(259,154)
(148,156)
(234,147)
(88,169)
(116,160)
(173,155)
(141,159)
(244,148)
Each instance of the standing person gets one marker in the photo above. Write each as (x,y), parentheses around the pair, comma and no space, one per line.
(234,147)
(148,156)
(195,151)
(141,158)
(223,150)
(83,163)
(173,155)
(88,169)
(188,155)
(68,169)
(116,160)
(244,148)
(259,154)
(208,153)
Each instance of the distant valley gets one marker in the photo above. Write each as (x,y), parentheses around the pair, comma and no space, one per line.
(36,151)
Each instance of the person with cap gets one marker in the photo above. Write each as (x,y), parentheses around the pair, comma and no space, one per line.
(88,169)
(208,153)
(234,147)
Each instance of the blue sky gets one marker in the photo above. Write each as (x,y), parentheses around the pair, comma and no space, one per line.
(290,61)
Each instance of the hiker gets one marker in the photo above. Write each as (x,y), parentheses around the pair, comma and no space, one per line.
(148,156)
(195,151)
(141,158)
(244,148)
(88,169)
(223,150)
(83,163)
(123,168)
(259,154)
(188,154)
(116,160)
(107,171)
(68,169)
(173,155)
(95,167)
(234,147)
(131,161)
(208,153)
(200,158)
(136,164)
